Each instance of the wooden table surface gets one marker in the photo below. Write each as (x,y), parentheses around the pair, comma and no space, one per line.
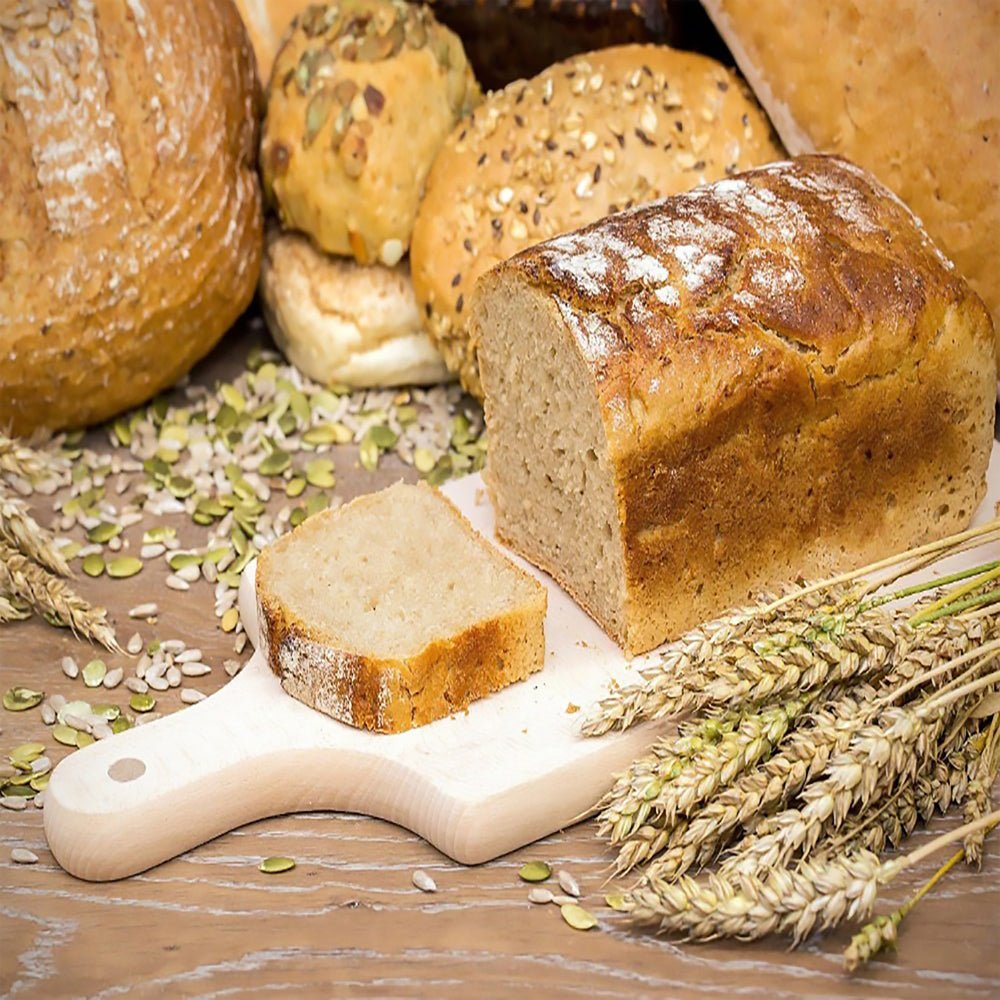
(348,921)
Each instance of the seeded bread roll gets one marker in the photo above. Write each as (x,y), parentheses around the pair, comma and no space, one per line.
(771,376)
(338,321)
(362,94)
(392,611)
(586,137)
(130,208)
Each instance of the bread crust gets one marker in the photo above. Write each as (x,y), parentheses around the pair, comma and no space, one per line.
(791,380)
(130,215)
(390,695)
(910,90)
(588,136)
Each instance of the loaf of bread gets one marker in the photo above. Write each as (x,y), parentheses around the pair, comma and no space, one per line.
(773,375)
(908,89)
(339,321)
(362,94)
(586,137)
(130,210)
(392,611)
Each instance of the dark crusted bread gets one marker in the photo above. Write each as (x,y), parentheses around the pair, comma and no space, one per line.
(773,375)
(392,611)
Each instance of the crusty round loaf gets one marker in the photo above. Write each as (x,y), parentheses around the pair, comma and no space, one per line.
(588,136)
(130,210)
(362,94)
(338,321)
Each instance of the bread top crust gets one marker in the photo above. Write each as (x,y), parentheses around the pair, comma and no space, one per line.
(130,208)
(909,90)
(776,288)
(591,135)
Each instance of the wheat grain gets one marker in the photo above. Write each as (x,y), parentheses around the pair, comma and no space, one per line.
(17,459)
(49,595)
(11,611)
(979,799)
(20,531)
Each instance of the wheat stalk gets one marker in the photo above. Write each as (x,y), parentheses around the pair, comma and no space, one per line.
(46,593)
(20,531)
(11,612)
(814,896)
(980,791)
(29,464)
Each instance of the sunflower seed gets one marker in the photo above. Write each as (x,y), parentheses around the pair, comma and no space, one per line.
(147,610)
(423,881)
(40,800)
(57,701)
(48,714)
(136,685)
(174,582)
(15,802)
(561,899)
(173,676)
(535,871)
(101,731)
(157,683)
(113,677)
(272,866)
(577,917)
(567,883)
(539,894)
(76,722)
(135,644)
(195,669)
(189,574)
(191,696)
(232,667)
(191,655)
(152,551)
(40,765)
(69,667)
(173,646)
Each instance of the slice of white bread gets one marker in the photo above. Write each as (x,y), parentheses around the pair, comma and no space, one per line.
(392,611)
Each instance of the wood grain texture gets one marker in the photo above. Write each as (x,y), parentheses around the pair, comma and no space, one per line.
(347,919)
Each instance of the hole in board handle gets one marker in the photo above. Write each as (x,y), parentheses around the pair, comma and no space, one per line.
(126,769)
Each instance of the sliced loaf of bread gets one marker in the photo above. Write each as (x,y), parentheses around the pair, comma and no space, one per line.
(392,611)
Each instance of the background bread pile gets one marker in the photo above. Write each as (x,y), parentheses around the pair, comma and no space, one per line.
(109,126)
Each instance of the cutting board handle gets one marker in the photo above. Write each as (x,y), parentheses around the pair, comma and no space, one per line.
(124,804)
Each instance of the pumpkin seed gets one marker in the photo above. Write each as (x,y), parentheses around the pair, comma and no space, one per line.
(142,702)
(384,437)
(368,453)
(120,724)
(535,871)
(40,782)
(230,620)
(73,710)
(315,504)
(64,734)
(84,739)
(180,560)
(319,473)
(577,917)
(423,460)
(108,712)
(232,397)
(19,699)
(275,463)
(123,567)
(93,565)
(103,532)
(94,673)
(295,486)
(26,753)
(615,900)
(272,866)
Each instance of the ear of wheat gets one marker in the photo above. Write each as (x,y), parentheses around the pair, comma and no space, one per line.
(834,717)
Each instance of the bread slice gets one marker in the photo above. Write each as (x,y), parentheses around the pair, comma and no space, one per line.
(392,611)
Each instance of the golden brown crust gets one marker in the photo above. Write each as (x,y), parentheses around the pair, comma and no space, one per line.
(363,93)
(393,695)
(909,90)
(586,137)
(133,240)
(790,376)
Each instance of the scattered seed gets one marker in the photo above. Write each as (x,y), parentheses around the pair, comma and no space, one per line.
(101,731)
(94,673)
(77,723)
(142,702)
(190,655)
(577,917)
(535,871)
(567,883)
(191,696)
(136,684)
(48,713)
(561,899)
(174,582)
(147,610)
(232,667)
(25,753)
(195,669)
(142,720)
(22,856)
(20,699)
(230,619)
(272,866)
(189,574)
(157,683)
(173,676)
(15,802)
(65,734)
(40,765)
(423,881)
(84,740)
(57,701)
(135,644)
(539,894)
(123,567)
(113,677)
(69,667)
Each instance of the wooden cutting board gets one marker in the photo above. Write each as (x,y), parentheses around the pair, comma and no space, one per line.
(477,785)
